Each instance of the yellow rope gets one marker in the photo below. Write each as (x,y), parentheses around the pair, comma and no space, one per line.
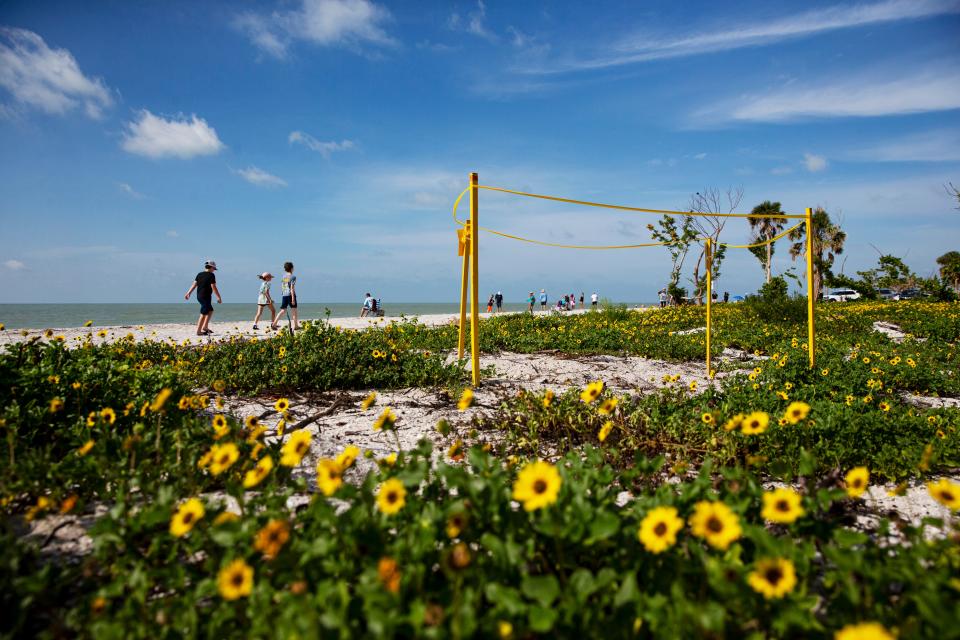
(783,216)
(760,244)
(463,223)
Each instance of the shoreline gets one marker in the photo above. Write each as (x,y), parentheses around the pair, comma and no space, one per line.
(180,332)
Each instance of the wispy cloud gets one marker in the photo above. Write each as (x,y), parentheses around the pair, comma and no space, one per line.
(326,149)
(644,47)
(130,191)
(47,79)
(173,233)
(328,23)
(260,178)
(475,22)
(861,96)
(814,163)
(14,265)
(929,146)
(177,137)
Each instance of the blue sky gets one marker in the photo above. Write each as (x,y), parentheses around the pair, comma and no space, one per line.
(138,139)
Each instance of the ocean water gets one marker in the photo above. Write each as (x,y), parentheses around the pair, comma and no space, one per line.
(42,316)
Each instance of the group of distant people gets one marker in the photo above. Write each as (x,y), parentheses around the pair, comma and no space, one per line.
(568,302)
(205,285)
(371,306)
(667,300)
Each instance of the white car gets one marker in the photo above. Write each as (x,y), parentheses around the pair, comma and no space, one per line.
(842,295)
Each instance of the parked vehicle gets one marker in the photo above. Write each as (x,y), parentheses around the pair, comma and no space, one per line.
(910,294)
(887,294)
(842,295)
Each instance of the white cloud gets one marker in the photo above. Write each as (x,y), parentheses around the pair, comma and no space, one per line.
(260,178)
(930,146)
(14,265)
(916,92)
(643,47)
(47,79)
(130,191)
(179,137)
(323,148)
(700,156)
(173,233)
(814,163)
(781,171)
(322,22)
(475,23)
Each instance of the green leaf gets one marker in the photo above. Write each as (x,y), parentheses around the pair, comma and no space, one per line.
(541,619)
(628,592)
(603,525)
(542,589)
(849,537)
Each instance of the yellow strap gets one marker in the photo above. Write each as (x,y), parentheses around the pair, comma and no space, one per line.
(639,209)
(761,244)
(571,246)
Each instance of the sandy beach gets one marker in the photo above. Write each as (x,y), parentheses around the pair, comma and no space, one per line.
(181,332)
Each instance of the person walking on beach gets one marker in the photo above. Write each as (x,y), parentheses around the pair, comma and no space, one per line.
(543,300)
(264,300)
(663,297)
(581,298)
(288,301)
(368,305)
(726,296)
(531,300)
(594,298)
(206,285)
(490,304)
(499,301)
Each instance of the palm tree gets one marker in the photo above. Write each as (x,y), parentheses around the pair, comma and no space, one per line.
(828,239)
(950,268)
(763,230)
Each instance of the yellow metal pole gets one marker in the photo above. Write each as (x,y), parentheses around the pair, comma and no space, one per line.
(474,275)
(461,338)
(709,257)
(811,298)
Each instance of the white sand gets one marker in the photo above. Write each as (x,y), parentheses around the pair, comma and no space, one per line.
(181,332)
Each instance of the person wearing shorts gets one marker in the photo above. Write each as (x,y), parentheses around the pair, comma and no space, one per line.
(206,285)
(288,293)
(264,300)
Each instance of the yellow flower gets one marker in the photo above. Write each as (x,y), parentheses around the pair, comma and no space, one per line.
(607,406)
(386,420)
(755,423)
(205,459)
(220,426)
(796,412)
(187,515)
(782,505)
(109,415)
(160,399)
(693,385)
(504,630)
(281,405)
(548,397)
(271,538)
(735,422)
(658,530)
(295,448)
(369,401)
(863,631)
(946,493)
(782,395)
(391,497)
(592,391)
(219,386)
(884,406)
(857,480)
(223,456)
(389,460)
(455,452)
(85,449)
(773,578)
(102,333)
(235,580)
(825,372)
(849,400)
(707,418)
(716,523)
(69,503)
(224,518)
(347,456)
(56,405)
(255,476)
(251,422)
(605,430)
(75,385)
(466,400)
(456,523)
(329,476)
(537,485)
(184,403)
